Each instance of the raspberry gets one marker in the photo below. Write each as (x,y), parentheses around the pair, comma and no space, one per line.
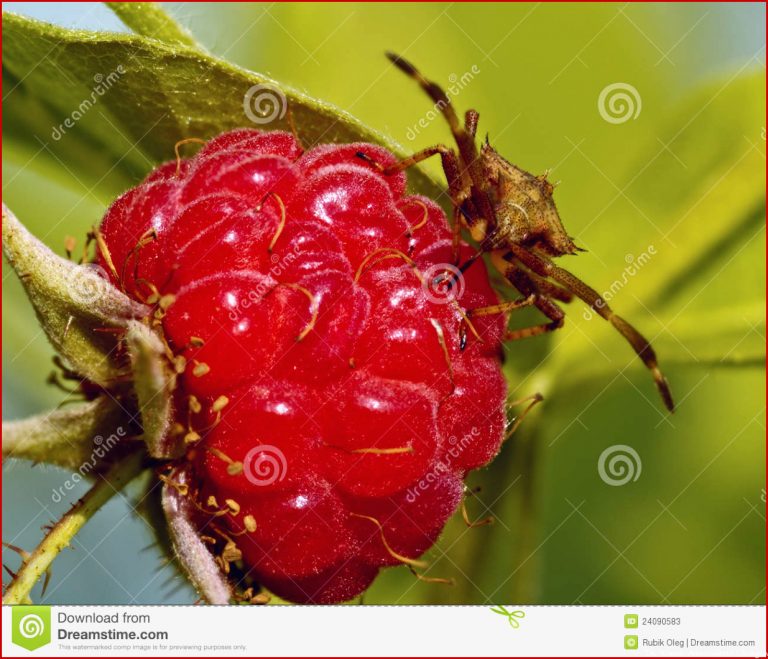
(330,411)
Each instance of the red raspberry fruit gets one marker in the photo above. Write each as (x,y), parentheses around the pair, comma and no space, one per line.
(329,410)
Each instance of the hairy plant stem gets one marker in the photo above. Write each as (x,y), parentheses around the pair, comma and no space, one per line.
(69,525)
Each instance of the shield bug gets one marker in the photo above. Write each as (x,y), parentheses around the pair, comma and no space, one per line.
(512,216)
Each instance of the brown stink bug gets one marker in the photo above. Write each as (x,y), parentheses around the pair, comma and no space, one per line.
(512,216)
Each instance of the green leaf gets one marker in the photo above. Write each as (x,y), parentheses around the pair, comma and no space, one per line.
(70,437)
(712,202)
(150,20)
(700,299)
(73,303)
(712,211)
(723,338)
(154,94)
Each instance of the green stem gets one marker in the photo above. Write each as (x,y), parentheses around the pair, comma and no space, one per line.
(70,437)
(150,20)
(69,525)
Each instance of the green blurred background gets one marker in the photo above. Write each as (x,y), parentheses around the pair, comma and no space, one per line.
(683,180)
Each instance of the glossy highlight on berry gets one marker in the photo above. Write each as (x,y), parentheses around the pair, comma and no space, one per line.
(326,407)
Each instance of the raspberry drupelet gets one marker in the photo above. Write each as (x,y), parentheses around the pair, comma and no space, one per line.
(327,409)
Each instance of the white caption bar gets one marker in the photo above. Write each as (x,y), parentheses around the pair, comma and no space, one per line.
(643,631)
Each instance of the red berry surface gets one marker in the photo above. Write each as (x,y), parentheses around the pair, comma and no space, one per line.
(333,414)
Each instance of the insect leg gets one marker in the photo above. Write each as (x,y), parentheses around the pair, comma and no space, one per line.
(456,242)
(524,283)
(639,343)
(502,307)
(458,185)
(471,118)
(550,289)
(410,161)
(551,311)
(465,140)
